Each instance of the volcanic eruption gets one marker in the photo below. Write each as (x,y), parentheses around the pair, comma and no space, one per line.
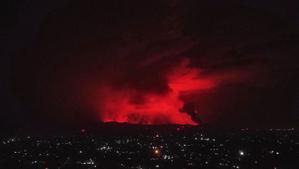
(133,105)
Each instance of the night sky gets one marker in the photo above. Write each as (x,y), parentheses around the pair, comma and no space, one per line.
(76,63)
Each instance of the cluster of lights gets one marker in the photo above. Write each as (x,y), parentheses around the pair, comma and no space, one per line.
(198,150)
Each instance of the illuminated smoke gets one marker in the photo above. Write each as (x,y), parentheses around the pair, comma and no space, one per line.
(131,105)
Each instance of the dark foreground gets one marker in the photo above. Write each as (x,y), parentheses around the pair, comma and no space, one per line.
(179,148)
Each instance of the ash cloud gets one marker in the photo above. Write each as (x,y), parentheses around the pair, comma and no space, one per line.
(134,45)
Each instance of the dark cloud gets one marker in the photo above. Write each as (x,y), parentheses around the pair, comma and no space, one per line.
(133,45)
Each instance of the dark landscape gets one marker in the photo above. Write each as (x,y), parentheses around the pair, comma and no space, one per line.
(153,147)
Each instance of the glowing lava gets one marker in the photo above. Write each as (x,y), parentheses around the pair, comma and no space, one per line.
(133,106)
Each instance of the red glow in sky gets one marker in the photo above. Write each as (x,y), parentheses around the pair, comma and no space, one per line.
(133,106)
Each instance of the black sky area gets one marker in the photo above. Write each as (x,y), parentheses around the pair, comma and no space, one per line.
(52,51)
